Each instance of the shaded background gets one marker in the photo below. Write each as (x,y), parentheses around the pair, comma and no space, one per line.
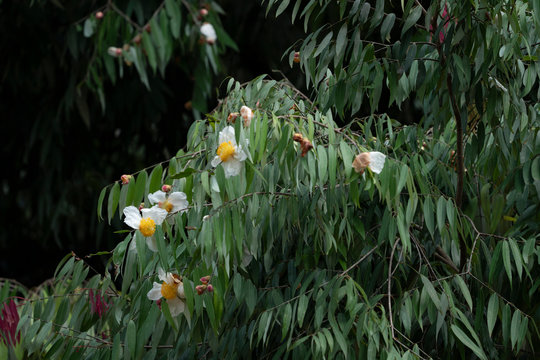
(56,162)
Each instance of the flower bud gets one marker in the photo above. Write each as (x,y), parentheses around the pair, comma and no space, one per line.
(203,12)
(247,115)
(114,51)
(200,289)
(125,179)
(205,279)
(148,28)
(298,137)
(141,206)
(137,39)
(210,288)
(232,117)
(99,15)
(296,58)
(166,188)
(361,162)
(188,105)
(306,145)
(205,217)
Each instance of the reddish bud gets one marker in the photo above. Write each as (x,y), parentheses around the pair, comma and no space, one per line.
(306,145)
(298,137)
(232,117)
(200,289)
(296,58)
(137,39)
(206,279)
(210,288)
(166,188)
(158,303)
(125,178)
(141,206)
(203,12)
(148,28)
(99,15)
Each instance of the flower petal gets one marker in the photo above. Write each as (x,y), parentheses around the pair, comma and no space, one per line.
(216,161)
(180,291)
(213,184)
(239,153)
(157,197)
(176,306)
(227,134)
(155,293)
(133,217)
(376,161)
(232,167)
(162,274)
(155,213)
(179,201)
(151,242)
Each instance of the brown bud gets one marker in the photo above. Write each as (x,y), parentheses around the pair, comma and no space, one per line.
(298,137)
(232,117)
(361,162)
(188,105)
(137,39)
(296,58)
(205,279)
(305,146)
(200,289)
(148,28)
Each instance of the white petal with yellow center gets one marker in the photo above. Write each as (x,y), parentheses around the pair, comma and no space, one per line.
(133,217)
(376,161)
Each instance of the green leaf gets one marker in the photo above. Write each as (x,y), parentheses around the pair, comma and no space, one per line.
(506,260)
(492,311)
(468,342)
(465,291)
(182,174)
(387,26)
(150,50)
(114,196)
(341,40)
(286,320)
(322,164)
(155,179)
(431,291)
(100,202)
(282,6)
(515,327)
(302,307)
(131,338)
(323,44)
(428,215)
(517,256)
(413,17)
(140,187)
(441,213)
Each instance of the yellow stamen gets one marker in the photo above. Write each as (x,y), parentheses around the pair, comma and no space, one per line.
(147,227)
(225,150)
(168,291)
(166,205)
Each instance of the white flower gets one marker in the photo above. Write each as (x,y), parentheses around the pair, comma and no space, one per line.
(229,154)
(374,160)
(209,32)
(247,115)
(172,289)
(114,51)
(173,202)
(146,223)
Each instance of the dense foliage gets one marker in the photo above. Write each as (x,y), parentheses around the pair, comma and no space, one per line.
(289,245)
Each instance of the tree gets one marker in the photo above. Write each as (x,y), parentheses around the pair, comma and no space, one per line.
(311,225)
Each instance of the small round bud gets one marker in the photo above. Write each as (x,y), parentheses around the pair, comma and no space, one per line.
(137,39)
(206,217)
(125,179)
(141,206)
(188,105)
(114,51)
(298,137)
(148,28)
(232,117)
(203,12)
(99,15)
(166,188)
(210,288)
(205,279)
(296,58)
(200,289)
(305,145)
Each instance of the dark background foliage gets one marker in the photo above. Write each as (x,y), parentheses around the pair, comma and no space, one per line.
(55,161)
